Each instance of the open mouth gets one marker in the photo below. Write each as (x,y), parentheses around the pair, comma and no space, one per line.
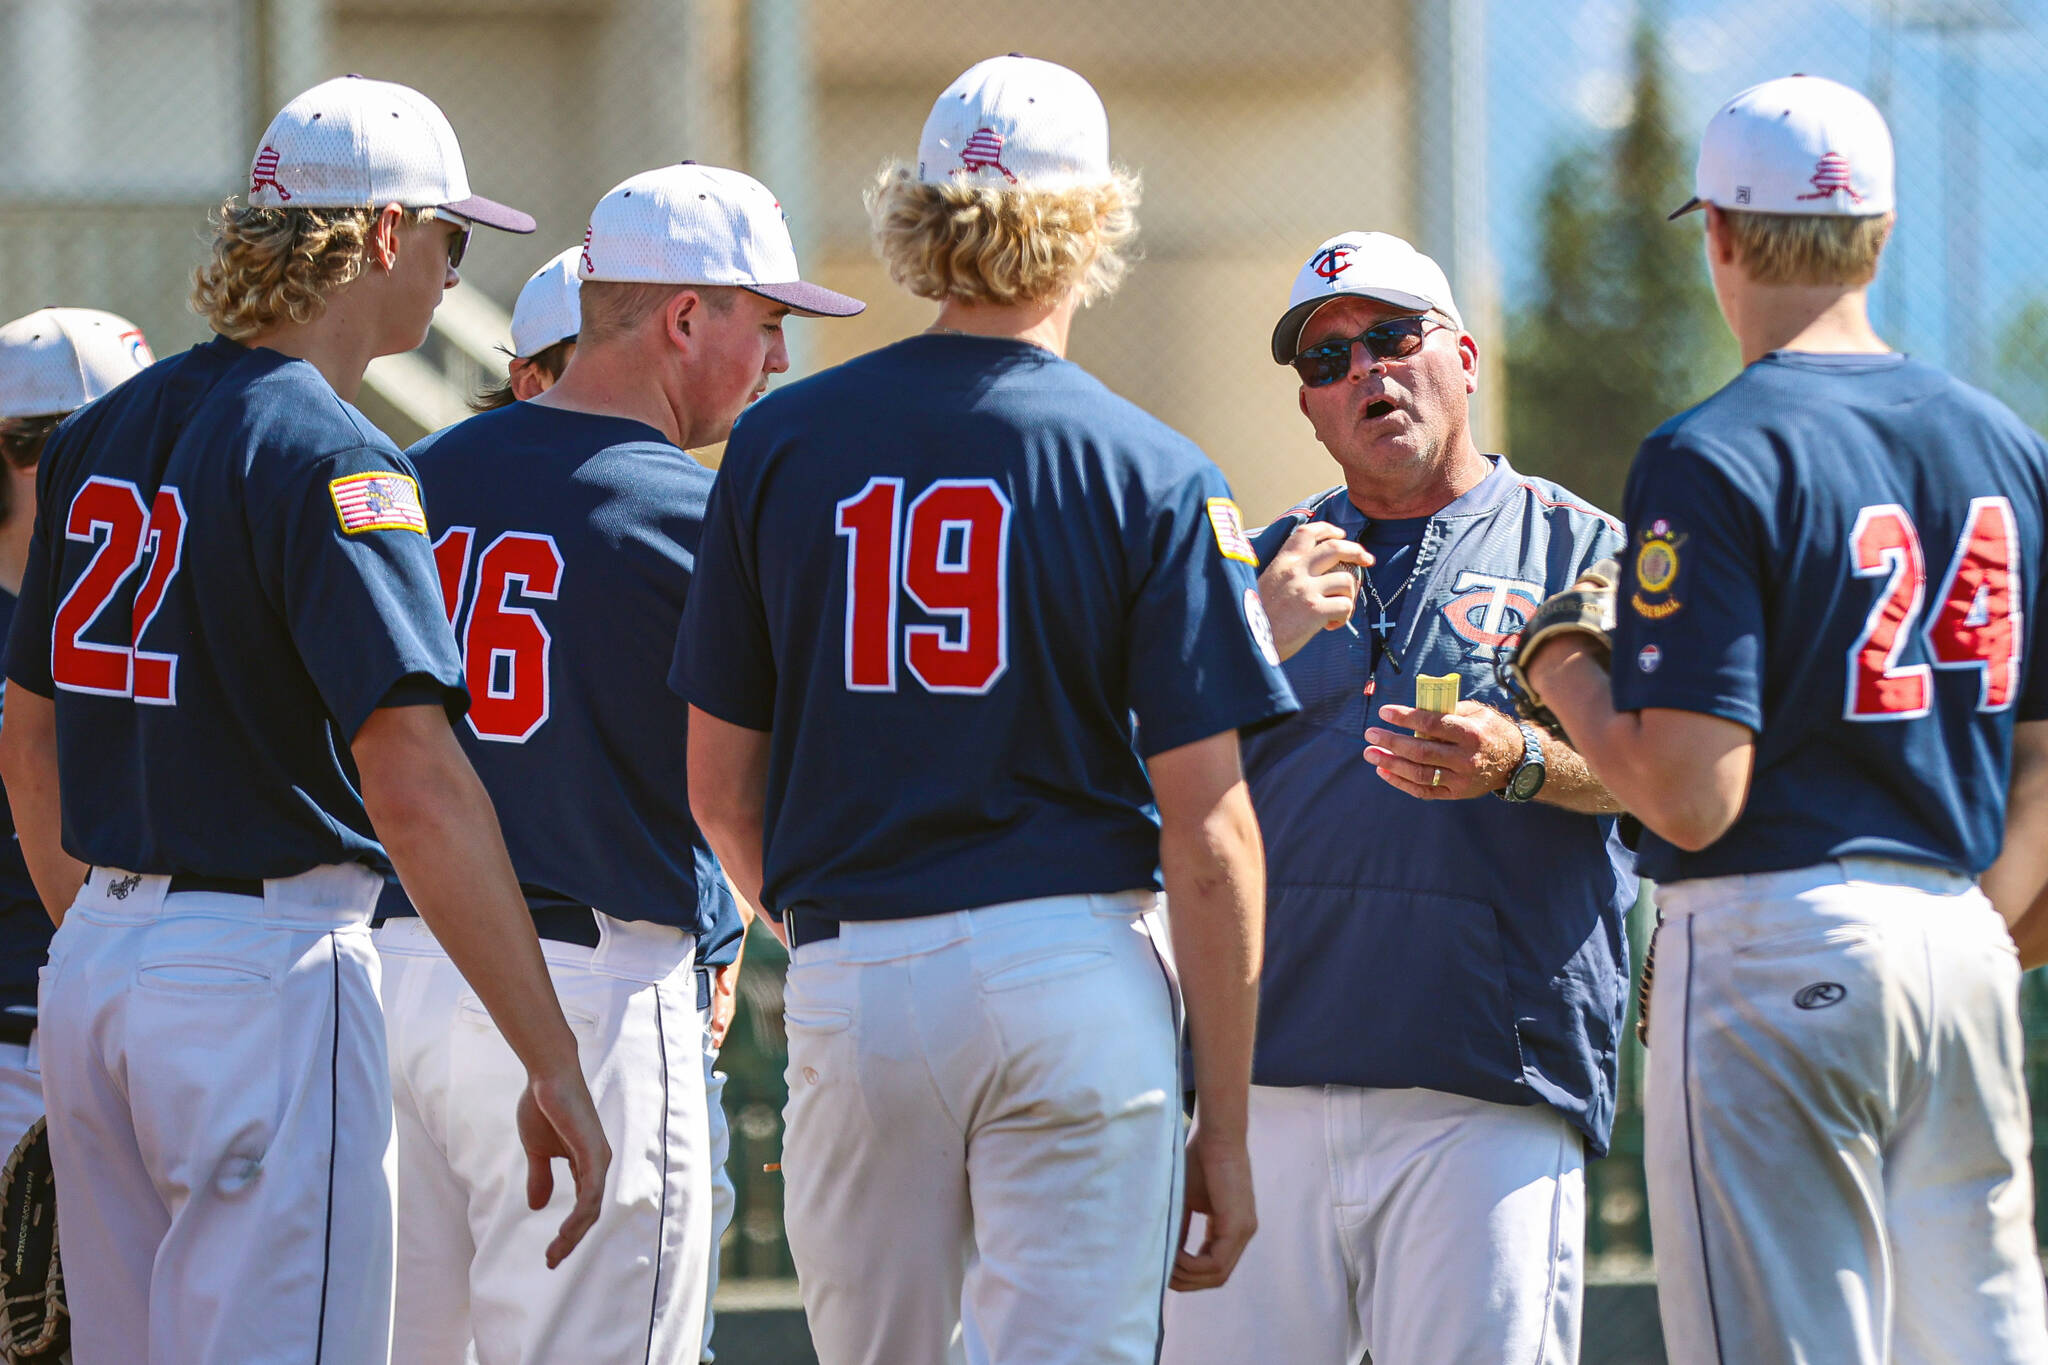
(1377,409)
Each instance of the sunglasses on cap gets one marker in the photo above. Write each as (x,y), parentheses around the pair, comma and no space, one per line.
(1326,362)
(459,243)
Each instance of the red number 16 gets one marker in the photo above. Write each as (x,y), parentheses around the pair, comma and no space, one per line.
(953,561)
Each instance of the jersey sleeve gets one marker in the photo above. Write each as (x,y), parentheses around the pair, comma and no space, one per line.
(1201,657)
(344,540)
(724,662)
(1689,613)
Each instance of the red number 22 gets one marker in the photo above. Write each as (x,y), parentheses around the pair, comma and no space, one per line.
(114,508)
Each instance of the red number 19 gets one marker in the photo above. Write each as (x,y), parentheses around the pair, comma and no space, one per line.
(953,561)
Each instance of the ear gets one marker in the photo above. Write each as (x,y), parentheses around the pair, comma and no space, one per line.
(680,315)
(382,246)
(1468,356)
(527,379)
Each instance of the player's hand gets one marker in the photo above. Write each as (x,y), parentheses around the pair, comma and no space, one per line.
(725,1000)
(1219,1186)
(1475,747)
(557,1119)
(1308,586)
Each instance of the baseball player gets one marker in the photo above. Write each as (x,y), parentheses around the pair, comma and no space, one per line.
(53,361)
(231,684)
(936,584)
(566,585)
(544,322)
(1823,680)
(1445,974)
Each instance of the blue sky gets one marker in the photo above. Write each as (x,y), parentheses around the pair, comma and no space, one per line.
(1558,73)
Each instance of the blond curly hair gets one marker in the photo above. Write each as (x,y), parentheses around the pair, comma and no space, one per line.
(987,244)
(279,265)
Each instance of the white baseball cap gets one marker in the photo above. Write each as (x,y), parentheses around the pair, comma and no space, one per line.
(1016,120)
(57,360)
(1373,265)
(1799,144)
(358,143)
(691,224)
(547,310)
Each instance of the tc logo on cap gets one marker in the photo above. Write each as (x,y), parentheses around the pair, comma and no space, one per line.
(984,152)
(1332,262)
(265,173)
(1831,177)
(588,268)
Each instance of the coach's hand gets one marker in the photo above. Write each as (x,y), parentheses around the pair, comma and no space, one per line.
(1219,1186)
(725,1001)
(557,1119)
(1475,748)
(1308,586)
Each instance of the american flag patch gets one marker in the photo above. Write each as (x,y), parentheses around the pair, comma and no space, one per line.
(1228,523)
(378,501)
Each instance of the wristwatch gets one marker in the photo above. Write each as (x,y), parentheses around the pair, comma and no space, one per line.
(1527,778)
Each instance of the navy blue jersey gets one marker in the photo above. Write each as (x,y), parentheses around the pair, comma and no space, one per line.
(946,575)
(1841,552)
(25,926)
(565,542)
(229,572)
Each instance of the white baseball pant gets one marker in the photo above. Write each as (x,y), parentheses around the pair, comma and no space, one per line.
(1418,1225)
(1837,1138)
(220,1122)
(723,1196)
(472,1268)
(21,1090)
(984,1120)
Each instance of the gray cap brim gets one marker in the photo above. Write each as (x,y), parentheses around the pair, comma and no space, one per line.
(1687,207)
(491,213)
(810,300)
(1287,331)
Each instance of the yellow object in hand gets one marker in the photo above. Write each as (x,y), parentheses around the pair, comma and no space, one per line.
(1436,694)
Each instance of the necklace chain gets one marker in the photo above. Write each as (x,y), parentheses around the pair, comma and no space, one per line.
(1382,607)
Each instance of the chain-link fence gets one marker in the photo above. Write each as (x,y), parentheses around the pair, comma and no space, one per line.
(1533,148)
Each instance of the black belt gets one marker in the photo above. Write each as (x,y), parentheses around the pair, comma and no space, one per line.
(558,923)
(567,924)
(222,886)
(18,1024)
(808,926)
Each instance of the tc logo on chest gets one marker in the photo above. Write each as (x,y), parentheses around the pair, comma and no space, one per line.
(1489,611)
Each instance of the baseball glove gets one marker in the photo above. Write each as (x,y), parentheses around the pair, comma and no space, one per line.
(1587,608)
(36,1329)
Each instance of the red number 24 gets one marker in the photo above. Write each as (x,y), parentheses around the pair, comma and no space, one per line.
(1977,611)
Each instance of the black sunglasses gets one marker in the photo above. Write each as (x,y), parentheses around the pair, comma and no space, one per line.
(1327,362)
(459,243)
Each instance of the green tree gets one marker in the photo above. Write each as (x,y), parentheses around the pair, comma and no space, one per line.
(2022,374)
(1623,331)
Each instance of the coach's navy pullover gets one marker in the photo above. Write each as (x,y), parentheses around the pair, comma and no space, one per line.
(1475,947)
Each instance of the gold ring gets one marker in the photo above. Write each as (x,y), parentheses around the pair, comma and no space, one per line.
(1436,777)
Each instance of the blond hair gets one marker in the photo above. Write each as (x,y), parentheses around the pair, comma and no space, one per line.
(987,244)
(1801,248)
(279,265)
